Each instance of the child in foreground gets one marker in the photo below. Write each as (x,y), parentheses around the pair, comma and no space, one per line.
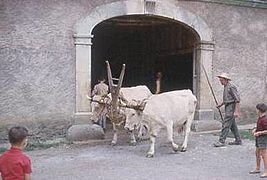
(260,132)
(13,163)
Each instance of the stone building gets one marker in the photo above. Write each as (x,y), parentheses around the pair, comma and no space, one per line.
(52,51)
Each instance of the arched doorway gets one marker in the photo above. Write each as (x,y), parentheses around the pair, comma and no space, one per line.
(202,55)
(146,44)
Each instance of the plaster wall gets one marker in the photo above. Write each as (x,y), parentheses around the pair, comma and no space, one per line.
(37,55)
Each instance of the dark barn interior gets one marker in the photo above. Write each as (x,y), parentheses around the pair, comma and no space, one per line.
(147,45)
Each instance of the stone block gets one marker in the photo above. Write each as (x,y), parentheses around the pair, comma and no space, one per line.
(85,132)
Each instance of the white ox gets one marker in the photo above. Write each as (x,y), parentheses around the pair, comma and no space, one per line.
(169,110)
(130,94)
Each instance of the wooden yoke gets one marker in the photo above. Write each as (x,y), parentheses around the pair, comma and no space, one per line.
(114,113)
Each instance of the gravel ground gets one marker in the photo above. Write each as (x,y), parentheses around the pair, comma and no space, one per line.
(98,160)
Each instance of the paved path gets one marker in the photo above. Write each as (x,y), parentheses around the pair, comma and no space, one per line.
(99,160)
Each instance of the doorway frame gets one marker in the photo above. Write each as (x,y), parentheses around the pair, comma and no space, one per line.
(203,50)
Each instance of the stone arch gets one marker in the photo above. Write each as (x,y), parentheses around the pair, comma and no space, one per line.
(202,55)
(163,8)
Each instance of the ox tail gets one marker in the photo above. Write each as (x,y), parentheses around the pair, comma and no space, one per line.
(192,104)
(192,108)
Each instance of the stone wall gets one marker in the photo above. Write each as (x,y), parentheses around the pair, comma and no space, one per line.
(37,55)
(240,49)
(37,60)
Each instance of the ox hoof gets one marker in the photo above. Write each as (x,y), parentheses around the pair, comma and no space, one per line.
(183,149)
(175,149)
(150,155)
(113,143)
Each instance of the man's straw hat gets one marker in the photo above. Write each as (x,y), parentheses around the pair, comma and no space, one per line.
(225,76)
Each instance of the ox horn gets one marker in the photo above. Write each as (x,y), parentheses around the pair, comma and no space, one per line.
(137,105)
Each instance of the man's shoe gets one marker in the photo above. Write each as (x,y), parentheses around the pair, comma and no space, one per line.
(256,171)
(235,143)
(219,144)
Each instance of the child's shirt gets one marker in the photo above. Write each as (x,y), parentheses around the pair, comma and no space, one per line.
(14,164)
(262,124)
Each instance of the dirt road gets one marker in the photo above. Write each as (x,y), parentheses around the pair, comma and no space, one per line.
(122,162)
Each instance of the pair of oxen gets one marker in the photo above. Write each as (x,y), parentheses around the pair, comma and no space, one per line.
(171,110)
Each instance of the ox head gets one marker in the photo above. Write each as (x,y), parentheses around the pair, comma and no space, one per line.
(135,122)
(134,115)
(133,119)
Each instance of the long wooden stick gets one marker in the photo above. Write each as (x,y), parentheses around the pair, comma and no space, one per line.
(205,72)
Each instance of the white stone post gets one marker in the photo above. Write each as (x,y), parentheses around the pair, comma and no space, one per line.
(206,103)
(83,72)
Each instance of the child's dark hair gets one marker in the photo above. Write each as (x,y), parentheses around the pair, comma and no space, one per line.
(17,134)
(262,107)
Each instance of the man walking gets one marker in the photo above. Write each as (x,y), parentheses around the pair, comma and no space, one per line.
(231,102)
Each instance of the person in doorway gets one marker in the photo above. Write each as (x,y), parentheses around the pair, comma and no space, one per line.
(13,163)
(158,82)
(260,132)
(100,89)
(231,102)
(99,92)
